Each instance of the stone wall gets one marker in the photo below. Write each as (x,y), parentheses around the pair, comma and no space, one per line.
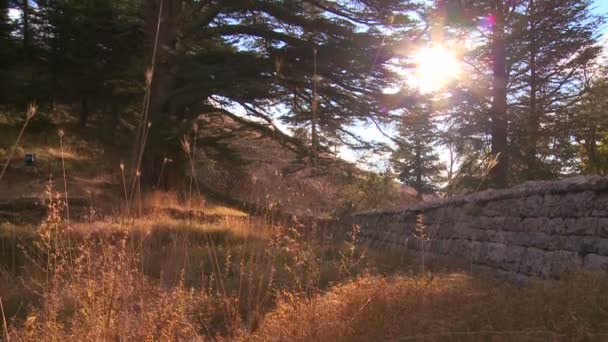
(534,229)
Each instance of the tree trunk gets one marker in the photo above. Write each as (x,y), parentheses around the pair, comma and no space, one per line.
(591,149)
(84,111)
(533,115)
(314,114)
(451,170)
(25,7)
(418,161)
(498,174)
(161,142)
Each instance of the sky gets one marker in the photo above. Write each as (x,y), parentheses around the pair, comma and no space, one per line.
(601,7)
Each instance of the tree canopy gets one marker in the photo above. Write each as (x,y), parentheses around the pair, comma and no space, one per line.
(527,105)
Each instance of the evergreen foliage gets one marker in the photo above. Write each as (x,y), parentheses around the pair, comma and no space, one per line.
(416,159)
(529,103)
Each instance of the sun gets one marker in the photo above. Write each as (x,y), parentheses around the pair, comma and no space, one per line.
(436,67)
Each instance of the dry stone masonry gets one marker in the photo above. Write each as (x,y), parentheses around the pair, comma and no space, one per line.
(534,229)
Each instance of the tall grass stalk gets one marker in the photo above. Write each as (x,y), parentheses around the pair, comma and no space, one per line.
(31,111)
(111,306)
(124,186)
(185,142)
(65,181)
(160,175)
(150,72)
(138,165)
(194,139)
(4,325)
(139,204)
(189,151)
(146,105)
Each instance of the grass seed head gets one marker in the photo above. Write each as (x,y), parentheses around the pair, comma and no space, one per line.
(31,110)
(185,144)
(149,74)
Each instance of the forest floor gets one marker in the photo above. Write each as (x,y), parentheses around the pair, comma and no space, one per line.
(193,269)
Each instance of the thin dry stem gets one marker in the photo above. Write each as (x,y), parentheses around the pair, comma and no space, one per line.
(65,181)
(4,325)
(124,186)
(31,111)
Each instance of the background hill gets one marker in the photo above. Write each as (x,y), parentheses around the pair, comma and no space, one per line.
(233,164)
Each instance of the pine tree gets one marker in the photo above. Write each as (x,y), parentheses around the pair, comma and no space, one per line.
(521,76)
(416,160)
(5,24)
(256,55)
(590,127)
(489,23)
(7,51)
(557,39)
(91,53)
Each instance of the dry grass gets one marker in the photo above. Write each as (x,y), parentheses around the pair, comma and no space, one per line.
(156,277)
(160,278)
(152,278)
(445,307)
(162,200)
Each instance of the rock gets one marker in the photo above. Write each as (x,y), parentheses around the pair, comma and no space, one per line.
(577,204)
(589,244)
(580,226)
(564,243)
(600,205)
(496,223)
(564,261)
(553,226)
(602,226)
(552,205)
(595,262)
(533,262)
(491,209)
(533,224)
(475,251)
(532,206)
(494,254)
(513,257)
(513,224)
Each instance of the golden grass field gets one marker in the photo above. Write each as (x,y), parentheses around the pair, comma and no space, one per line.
(244,278)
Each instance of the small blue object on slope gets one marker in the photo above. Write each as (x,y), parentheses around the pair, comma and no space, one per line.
(30,158)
